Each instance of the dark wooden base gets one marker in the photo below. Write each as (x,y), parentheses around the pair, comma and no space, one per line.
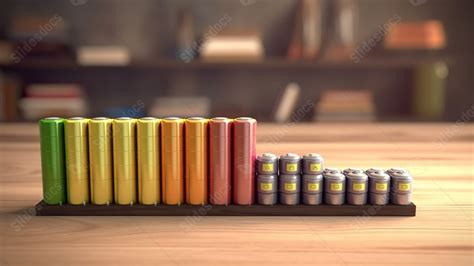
(43,209)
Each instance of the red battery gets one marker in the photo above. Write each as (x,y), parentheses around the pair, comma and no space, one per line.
(220,160)
(245,140)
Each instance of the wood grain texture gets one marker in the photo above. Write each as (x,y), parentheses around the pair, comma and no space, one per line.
(440,156)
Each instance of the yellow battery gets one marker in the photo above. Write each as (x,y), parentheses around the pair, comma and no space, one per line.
(196,160)
(100,160)
(125,173)
(148,153)
(77,161)
(172,160)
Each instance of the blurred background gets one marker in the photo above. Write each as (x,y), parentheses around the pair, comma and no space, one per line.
(275,60)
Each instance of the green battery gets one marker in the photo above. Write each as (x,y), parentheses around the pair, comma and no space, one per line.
(52,160)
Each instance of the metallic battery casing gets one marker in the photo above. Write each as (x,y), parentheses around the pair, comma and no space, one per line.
(220,160)
(100,160)
(267,189)
(267,164)
(290,164)
(357,187)
(329,170)
(313,164)
(395,169)
(53,167)
(77,160)
(125,158)
(312,189)
(334,187)
(379,187)
(244,151)
(372,170)
(401,188)
(290,187)
(196,129)
(172,160)
(148,160)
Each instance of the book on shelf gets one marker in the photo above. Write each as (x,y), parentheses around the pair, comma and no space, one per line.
(345,105)
(287,103)
(180,107)
(233,46)
(305,42)
(428,35)
(42,100)
(103,55)
(10,93)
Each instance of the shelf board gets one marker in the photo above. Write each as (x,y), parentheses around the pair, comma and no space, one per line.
(43,209)
(271,63)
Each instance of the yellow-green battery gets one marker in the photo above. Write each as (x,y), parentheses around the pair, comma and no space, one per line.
(52,160)
(77,161)
(125,174)
(100,160)
(148,153)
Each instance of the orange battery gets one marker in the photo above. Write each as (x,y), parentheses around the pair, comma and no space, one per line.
(196,160)
(172,160)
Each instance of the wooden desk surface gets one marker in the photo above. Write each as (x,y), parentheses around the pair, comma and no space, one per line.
(440,156)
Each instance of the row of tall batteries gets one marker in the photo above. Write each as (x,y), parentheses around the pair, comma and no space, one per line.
(148,160)
(291,179)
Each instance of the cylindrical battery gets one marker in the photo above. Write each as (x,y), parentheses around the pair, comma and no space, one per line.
(290,164)
(125,173)
(334,187)
(395,169)
(312,189)
(357,187)
(267,164)
(77,160)
(379,187)
(244,147)
(100,160)
(401,188)
(172,160)
(267,189)
(290,187)
(220,160)
(53,160)
(148,163)
(313,164)
(196,129)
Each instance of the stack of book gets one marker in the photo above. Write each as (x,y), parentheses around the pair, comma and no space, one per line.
(238,46)
(345,105)
(43,100)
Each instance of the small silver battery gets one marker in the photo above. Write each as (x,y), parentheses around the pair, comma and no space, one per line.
(267,189)
(312,189)
(290,164)
(313,164)
(267,164)
(401,187)
(334,187)
(290,187)
(379,187)
(357,187)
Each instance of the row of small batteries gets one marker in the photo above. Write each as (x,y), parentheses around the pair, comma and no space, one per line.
(308,180)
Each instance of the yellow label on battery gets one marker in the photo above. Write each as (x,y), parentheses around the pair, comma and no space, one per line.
(291,167)
(381,186)
(290,186)
(267,167)
(266,186)
(315,167)
(404,186)
(336,186)
(313,187)
(358,186)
